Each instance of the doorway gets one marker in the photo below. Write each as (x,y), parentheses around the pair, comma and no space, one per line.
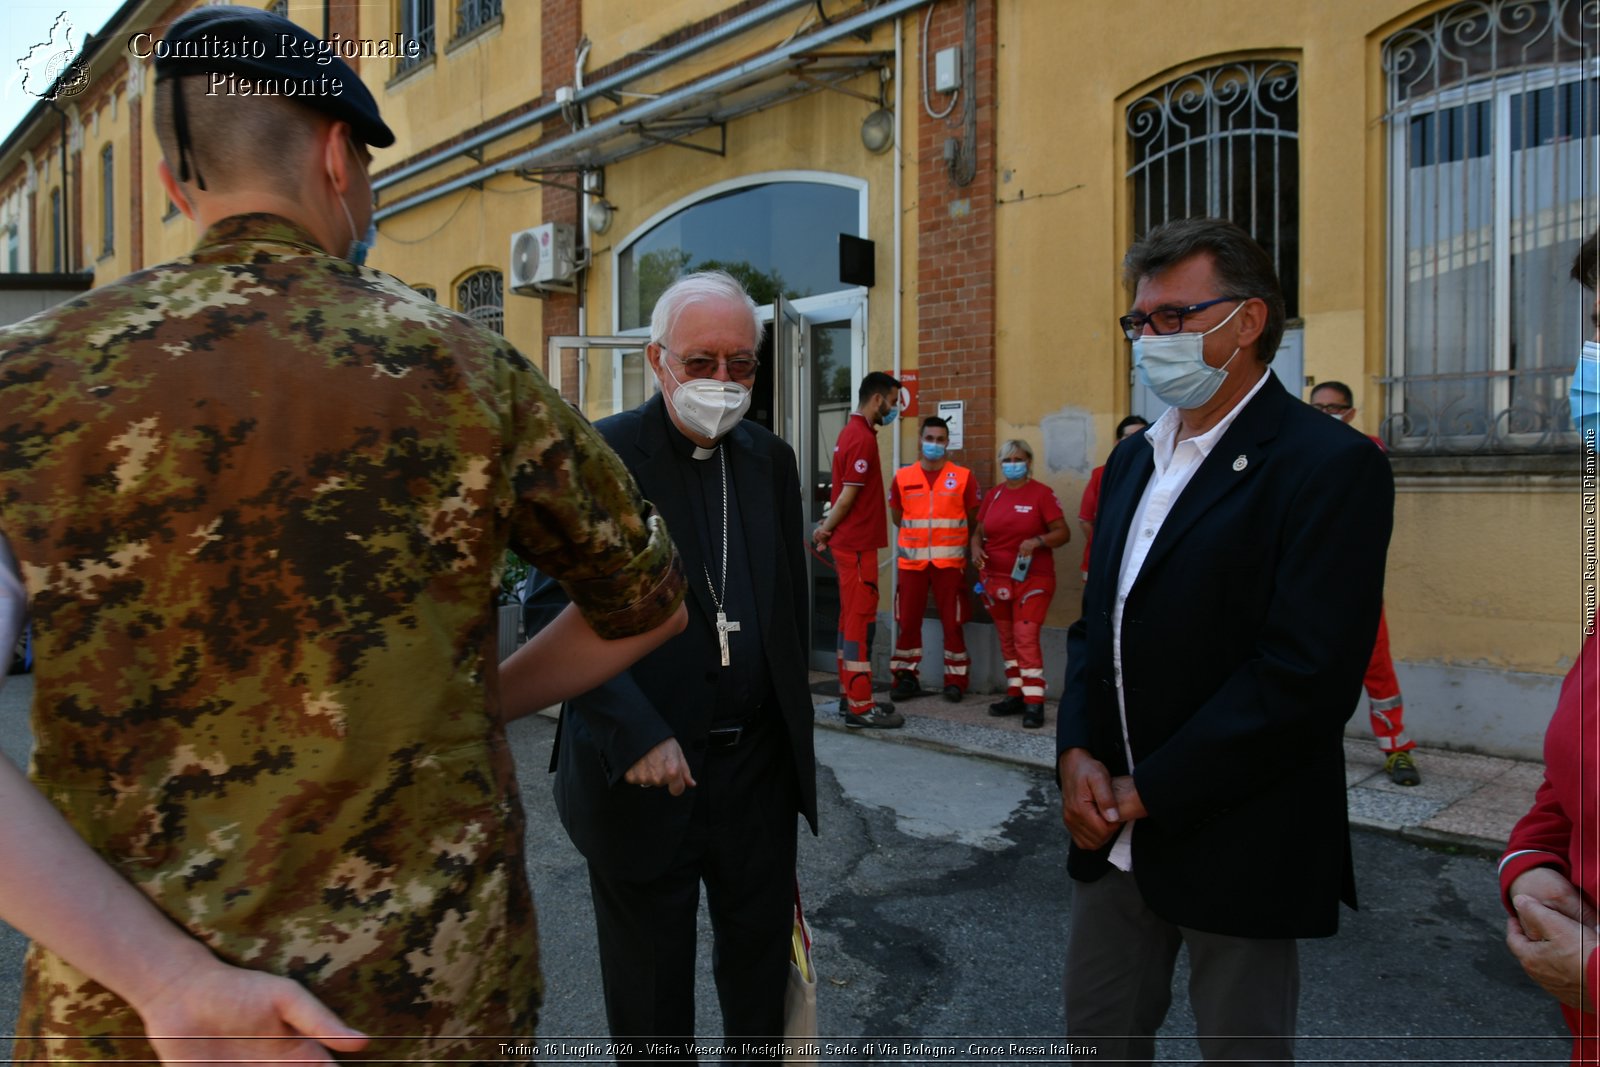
(811,361)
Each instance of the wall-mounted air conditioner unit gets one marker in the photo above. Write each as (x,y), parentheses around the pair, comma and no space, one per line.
(544,260)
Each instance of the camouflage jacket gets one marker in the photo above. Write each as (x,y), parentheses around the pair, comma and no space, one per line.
(259,497)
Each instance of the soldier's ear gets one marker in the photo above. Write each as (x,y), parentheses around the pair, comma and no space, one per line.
(174,190)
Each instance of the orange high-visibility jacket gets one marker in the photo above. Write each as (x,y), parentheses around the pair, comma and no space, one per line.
(933,523)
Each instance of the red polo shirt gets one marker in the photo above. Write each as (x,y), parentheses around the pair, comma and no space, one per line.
(855,462)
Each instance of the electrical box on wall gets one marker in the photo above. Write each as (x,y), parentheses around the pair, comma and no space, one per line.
(544,260)
(947,70)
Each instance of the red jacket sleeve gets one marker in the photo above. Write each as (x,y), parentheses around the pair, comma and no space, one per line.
(1541,838)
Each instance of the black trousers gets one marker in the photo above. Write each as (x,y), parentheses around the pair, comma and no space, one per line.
(741,844)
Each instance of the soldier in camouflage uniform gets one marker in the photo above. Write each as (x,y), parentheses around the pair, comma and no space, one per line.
(257,497)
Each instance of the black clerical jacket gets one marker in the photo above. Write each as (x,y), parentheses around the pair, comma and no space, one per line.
(672,691)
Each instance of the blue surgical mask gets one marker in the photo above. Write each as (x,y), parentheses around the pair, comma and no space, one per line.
(889,416)
(1013,471)
(1584,395)
(1174,366)
(357,252)
(359,246)
(932,452)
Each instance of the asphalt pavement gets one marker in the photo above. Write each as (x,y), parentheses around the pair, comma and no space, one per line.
(938,896)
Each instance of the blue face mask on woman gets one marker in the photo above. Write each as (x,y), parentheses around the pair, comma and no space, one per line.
(1014,470)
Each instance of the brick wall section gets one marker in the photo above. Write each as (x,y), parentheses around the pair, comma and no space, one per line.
(561,27)
(344,19)
(955,254)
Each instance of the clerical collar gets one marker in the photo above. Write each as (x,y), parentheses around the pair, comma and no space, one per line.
(681,443)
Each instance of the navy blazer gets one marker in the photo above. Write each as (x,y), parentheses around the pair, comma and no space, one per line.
(1244,642)
(672,691)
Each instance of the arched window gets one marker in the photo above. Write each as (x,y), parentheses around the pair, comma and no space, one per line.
(777,237)
(1493,108)
(428,291)
(481,297)
(1224,142)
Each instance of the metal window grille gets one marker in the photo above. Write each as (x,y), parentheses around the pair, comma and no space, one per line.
(473,15)
(481,297)
(1493,112)
(107,201)
(416,23)
(428,291)
(1222,142)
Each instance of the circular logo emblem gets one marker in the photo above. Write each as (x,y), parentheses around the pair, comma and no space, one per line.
(76,78)
(861,466)
(950,482)
(1003,593)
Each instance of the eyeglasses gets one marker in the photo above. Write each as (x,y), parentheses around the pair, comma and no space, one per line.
(741,366)
(1332,409)
(1166,320)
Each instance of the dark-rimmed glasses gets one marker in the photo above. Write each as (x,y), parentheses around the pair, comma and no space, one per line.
(1333,409)
(742,366)
(1166,320)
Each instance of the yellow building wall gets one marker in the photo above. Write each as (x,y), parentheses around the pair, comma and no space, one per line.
(1483,572)
(466,84)
(1480,575)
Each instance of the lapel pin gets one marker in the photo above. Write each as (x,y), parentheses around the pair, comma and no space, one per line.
(1240,464)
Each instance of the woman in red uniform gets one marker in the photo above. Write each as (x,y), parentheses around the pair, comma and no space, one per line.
(1019,522)
(1089,506)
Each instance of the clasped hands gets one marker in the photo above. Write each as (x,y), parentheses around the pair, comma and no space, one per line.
(1553,934)
(1094,805)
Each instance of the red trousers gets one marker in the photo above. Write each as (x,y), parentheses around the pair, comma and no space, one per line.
(1018,610)
(1384,704)
(909,601)
(858,610)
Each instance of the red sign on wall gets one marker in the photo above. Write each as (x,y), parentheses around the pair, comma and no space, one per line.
(908,394)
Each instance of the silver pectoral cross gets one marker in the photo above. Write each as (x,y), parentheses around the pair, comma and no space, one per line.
(724,628)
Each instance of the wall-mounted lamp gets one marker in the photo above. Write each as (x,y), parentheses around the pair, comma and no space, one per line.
(600,214)
(877,130)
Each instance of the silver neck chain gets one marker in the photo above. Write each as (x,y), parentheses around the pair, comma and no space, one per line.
(717,592)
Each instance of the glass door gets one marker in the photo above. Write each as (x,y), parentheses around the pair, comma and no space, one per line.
(833,346)
(600,376)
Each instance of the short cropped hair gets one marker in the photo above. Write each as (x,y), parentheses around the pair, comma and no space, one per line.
(1131,420)
(1242,267)
(1016,444)
(1338,387)
(702,286)
(876,383)
(934,420)
(235,142)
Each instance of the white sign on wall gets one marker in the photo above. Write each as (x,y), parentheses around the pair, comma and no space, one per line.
(952,412)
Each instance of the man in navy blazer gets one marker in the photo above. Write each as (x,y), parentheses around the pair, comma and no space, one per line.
(1232,600)
(691,766)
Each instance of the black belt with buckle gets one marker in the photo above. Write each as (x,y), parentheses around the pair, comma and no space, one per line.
(724,736)
(731,733)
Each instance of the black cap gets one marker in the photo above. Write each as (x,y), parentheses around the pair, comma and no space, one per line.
(254,44)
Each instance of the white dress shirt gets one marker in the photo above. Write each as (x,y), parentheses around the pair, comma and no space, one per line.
(1175,464)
